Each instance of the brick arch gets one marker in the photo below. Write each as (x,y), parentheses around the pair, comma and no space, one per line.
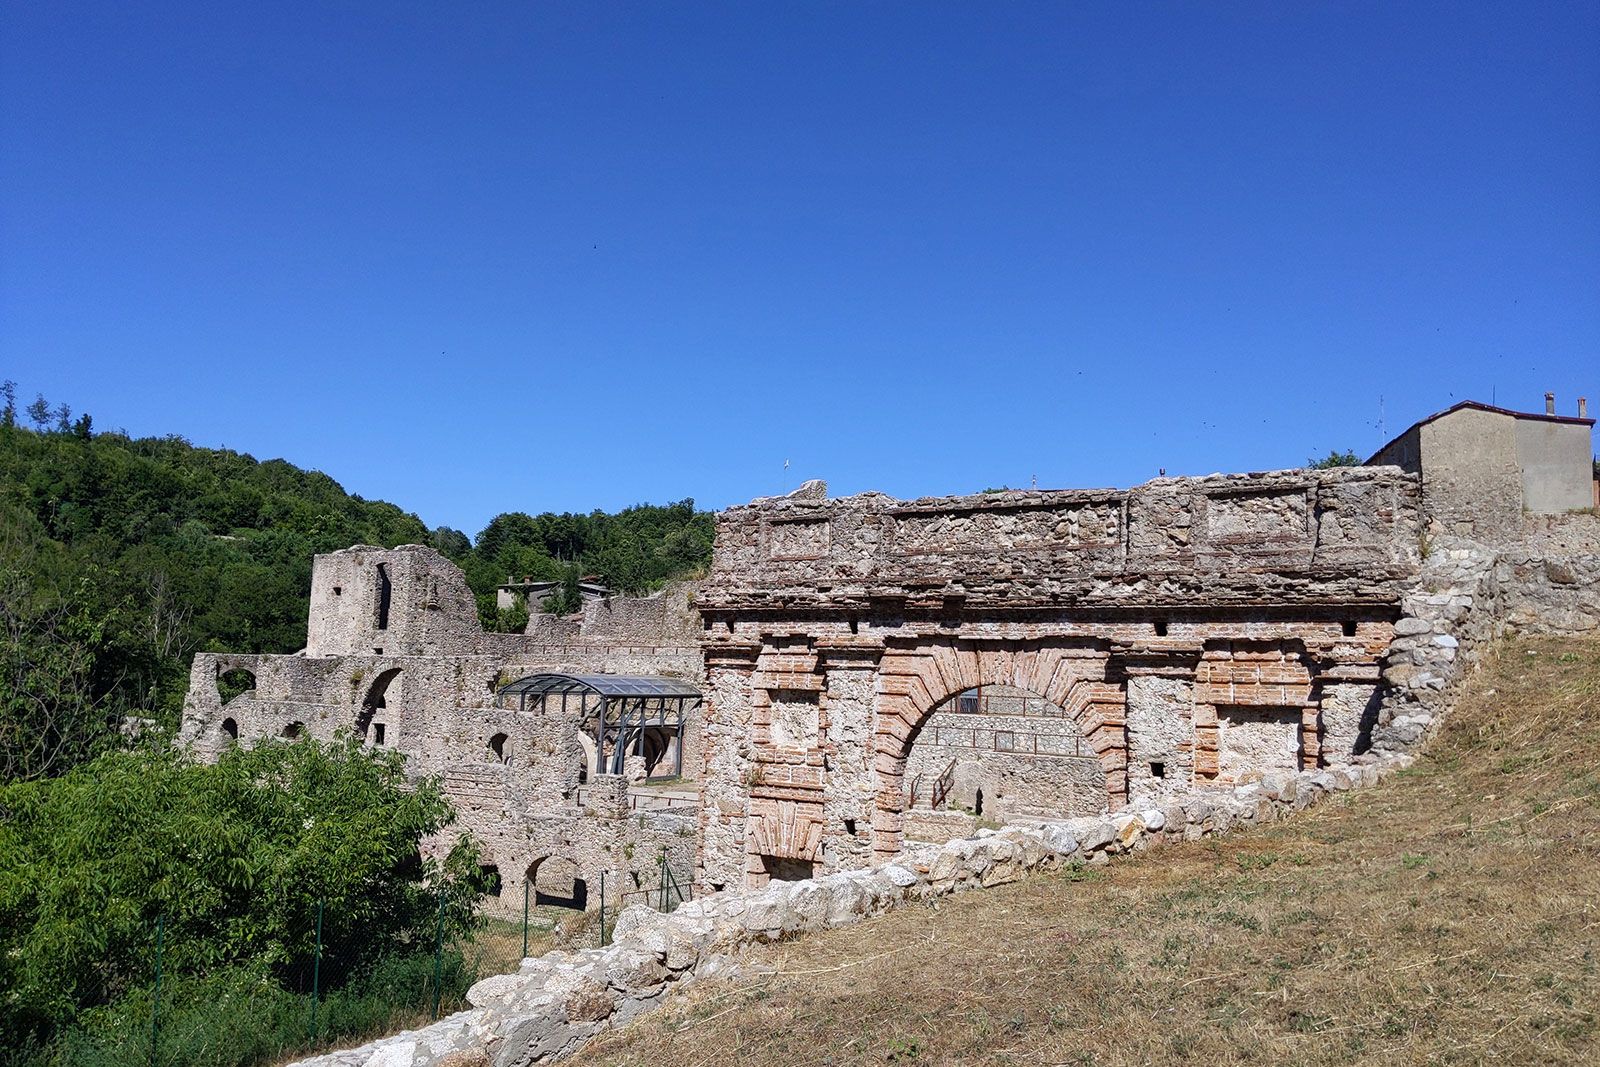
(913,682)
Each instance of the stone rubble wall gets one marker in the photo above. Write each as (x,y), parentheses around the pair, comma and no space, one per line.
(1468,593)
(1346,535)
(556,1002)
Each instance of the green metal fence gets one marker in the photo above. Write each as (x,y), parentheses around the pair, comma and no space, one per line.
(671,890)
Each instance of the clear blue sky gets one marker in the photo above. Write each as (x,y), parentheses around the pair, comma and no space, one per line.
(481,257)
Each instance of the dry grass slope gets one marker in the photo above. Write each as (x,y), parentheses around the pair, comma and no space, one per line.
(1450,916)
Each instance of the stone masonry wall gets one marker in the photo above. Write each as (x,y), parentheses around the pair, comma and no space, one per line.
(1192,630)
(1463,594)
(396,657)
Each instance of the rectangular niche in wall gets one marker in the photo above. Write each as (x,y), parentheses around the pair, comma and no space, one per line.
(1257,739)
(783,869)
(796,718)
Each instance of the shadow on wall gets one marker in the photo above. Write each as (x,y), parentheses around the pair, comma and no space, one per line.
(557,883)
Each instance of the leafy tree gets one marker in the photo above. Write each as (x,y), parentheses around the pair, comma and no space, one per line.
(1334,458)
(39,411)
(147,550)
(233,856)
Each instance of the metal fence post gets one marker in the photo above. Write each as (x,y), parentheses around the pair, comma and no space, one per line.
(155,1000)
(438,958)
(527,887)
(316,973)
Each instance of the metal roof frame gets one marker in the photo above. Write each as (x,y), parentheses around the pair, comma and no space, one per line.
(627,710)
(609,685)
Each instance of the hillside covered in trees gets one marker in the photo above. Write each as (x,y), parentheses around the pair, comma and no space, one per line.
(122,557)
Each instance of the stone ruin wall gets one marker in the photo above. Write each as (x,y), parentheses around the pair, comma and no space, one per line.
(1195,631)
(425,680)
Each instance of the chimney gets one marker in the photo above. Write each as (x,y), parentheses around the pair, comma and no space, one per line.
(1549,403)
(1583,407)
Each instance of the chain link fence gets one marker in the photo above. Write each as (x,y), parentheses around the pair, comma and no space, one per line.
(671,890)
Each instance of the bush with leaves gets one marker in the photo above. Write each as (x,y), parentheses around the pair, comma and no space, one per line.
(1334,458)
(233,856)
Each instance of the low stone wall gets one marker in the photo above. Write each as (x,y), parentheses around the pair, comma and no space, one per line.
(556,1002)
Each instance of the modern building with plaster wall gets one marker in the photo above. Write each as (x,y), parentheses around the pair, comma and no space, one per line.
(1483,468)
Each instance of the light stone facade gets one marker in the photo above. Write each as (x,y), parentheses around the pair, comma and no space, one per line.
(395,656)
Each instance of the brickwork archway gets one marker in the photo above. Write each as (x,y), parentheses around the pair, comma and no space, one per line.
(913,682)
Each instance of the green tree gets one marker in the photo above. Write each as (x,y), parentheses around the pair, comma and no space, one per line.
(1334,458)
(234,856)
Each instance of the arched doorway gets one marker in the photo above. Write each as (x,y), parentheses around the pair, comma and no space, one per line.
(917,683)
(371,721)
(997,751)
(557,882)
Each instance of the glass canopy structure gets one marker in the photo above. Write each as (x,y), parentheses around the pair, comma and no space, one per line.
(623,714)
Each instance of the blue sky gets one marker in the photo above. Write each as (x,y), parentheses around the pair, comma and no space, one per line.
(477,258)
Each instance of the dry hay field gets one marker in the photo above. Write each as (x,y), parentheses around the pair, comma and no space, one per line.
(1449,916)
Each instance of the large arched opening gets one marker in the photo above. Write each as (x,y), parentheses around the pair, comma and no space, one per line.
(372,720)
(558,883)
(931,684)
(993,753)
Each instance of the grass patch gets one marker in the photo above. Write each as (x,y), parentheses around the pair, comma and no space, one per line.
(1450,916)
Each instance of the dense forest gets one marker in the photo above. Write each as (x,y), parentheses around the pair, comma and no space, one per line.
(121,557)
(121,858)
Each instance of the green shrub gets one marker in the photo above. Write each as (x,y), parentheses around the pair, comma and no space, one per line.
(232,858)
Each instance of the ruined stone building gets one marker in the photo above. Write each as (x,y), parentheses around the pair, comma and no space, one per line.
(1188,630)
(879,671)
(396,657)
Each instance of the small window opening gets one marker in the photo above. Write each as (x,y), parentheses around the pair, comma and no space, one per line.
(385,590)
(497,745)
(1349,627)
(855,625)
(489,878)
(784,869)
(377,733)
(1158,769)
(338,590)
(1161,627)
(850,827)
(977,803)
(377,652)
(230,728)
(294,730)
